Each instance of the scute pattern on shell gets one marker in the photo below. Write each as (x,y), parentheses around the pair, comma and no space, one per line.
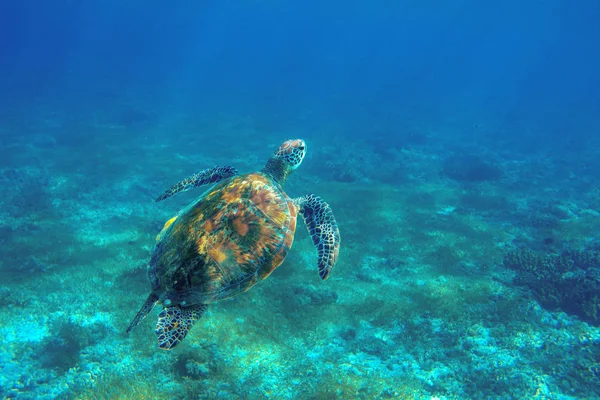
(234,235)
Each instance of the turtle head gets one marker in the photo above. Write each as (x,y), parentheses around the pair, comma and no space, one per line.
(286,159)
(291,152)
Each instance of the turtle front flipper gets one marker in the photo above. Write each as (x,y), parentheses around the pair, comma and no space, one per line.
(174,323)
(146,308)
(322,229)
(210,175)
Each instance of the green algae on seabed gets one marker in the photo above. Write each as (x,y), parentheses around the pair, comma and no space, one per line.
(419,306)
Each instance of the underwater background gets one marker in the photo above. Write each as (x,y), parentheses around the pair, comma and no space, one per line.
(458,144)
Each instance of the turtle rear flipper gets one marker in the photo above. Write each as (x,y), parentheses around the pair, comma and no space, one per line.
(174,323)
(323,231)
(205,177)
(146,308)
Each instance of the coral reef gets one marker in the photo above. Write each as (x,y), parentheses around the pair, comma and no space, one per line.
(569,280)
(421,305)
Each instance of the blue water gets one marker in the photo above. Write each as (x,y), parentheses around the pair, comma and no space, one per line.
(456,143)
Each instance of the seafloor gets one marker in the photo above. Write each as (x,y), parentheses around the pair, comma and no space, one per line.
(470,263)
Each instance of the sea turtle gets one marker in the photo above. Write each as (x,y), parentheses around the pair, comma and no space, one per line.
(231,237)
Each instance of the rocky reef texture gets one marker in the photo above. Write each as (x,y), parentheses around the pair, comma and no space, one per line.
(569,281)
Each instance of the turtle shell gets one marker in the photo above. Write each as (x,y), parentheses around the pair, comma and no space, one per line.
(232,236)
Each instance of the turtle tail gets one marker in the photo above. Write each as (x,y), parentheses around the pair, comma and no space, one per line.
(146,308)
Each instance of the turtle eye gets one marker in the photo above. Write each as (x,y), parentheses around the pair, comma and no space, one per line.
(301,148)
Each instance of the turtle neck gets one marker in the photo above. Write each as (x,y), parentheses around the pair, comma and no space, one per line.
(277,169)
